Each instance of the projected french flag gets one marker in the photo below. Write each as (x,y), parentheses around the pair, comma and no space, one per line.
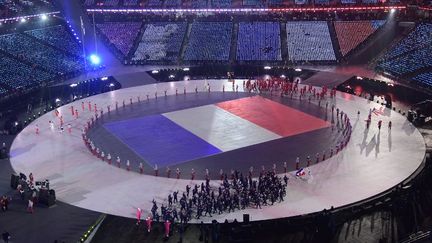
(184,135)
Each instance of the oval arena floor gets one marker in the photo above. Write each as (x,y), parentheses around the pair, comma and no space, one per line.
(217,130)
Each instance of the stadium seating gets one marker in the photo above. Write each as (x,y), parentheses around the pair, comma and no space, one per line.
(253,3)
(410,54)
(418,38)
(209,41)
(89,3)
(154,3)
(275,2)
(309,41)
(12,8)
(221,3)
(173,3)
(301,2)
(129,3)
(408,62)
(18,75)
(121,34)
(424,79)
(322,1)
(348,1)
(259,41)
(110,3)
(25,47)
(59,37)
(352,33)
(198,3)
(161,41)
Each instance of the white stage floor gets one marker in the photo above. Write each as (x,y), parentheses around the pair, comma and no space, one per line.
(371,163)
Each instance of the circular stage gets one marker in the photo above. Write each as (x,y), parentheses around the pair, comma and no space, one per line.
(217,130)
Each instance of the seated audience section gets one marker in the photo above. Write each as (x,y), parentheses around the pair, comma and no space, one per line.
(350,34)
(13,8)
(407,63)
(26,48)
(59,37)
(173,3)
(309,41)
(154,3)
(161,41)
(411,55)
(272,3)
(421,36)
(221,3)
(252,3)
(424,79)
(110,3)
(15,74)
(129,3)
(209,41)
(199,3)
(120,34)
(348,1)
(322,2)
(259,41)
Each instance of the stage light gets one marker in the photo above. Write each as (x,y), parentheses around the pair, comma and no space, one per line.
(298,70)
(104,78)
(186,69)
(111,85)
(155,71)
(283,76)
(267,68)
(73,85)
(16,123)
(57,100)
(171,76)
(359,78)
(392,10)
(95,59)
(23,20)
(44,17)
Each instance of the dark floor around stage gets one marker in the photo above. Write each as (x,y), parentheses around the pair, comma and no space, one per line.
(276,151)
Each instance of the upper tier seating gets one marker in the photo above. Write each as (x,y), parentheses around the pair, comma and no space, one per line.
(259,41)
(25,47)
(209,41)
(410,54)
(348,1)
(198,3)
(59,37)
(121,34)
(128,3)
(424,79)
(161,41)
(421,36)
(309,41)
(352,33)
(253,3)
(18,75)
(154,3)
(322,1)
(221,3)
(110,3)
(408,62)
(173,3)
(12,8)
